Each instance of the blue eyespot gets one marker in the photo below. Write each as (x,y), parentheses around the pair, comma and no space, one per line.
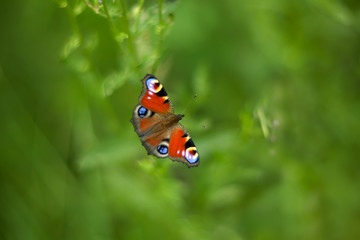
(162,149)
(142,112)
(153,85)
(191,155)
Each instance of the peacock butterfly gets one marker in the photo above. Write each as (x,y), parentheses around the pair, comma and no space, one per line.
(158,127)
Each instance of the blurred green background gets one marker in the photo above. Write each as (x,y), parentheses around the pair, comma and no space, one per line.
(278,89)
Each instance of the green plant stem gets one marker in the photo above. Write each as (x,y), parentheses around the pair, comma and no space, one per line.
(111,23)
(73,21)
(131,44)
(141,4)
(160,10)
(161,36)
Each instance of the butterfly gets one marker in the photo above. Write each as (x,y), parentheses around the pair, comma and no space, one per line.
(158,126)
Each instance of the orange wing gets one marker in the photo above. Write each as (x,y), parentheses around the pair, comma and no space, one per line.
(154,97)
(182,147)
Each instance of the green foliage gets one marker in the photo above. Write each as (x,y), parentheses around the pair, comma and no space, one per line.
(278,89)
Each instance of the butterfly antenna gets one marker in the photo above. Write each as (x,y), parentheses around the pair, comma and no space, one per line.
(189,103)
(203,126)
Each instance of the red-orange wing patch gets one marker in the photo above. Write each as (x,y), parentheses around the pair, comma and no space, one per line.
(182,147)
(154,97)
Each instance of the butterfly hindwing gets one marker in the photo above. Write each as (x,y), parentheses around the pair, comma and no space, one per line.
(144,120)
(157,144)
(147,125)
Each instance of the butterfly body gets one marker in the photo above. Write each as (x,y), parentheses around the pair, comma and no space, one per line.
(158,127)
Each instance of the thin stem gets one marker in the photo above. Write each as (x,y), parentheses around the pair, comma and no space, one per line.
(161,37)
(73,21)
(141,3)
(131,44)
(111,23)
(160,12)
